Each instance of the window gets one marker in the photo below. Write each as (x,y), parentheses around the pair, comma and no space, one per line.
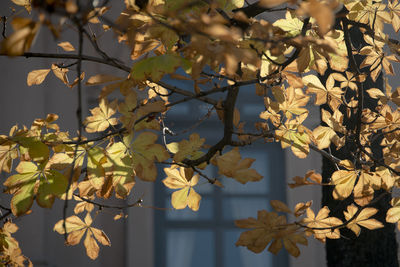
(184,238)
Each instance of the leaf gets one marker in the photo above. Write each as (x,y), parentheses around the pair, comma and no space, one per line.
(311,178)
(362,219)
(36,77)
(279,206)
(102,78)
(95,170)
(21,40)
(51,184)
(344,181)
(145,153)
(301,207)
(290,24)
(393,214)
(322,226)
(232,165)
(60,73)
(37,150)
(294,135)
(324,135)
(8,152)
(92,248)
(22,186)
(101,117)
(323,14)
(186,148)
(119,170)
(184,180)
(67,46)
(76,228)
(155,67)
(268,228)
(271,3)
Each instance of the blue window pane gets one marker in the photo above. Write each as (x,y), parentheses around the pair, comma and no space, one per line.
(243,207)
(241,256)
(205,211)
(190,248)
(261,165)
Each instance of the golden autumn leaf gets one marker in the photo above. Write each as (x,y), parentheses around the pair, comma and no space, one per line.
(271,3)
(101,116)
(329,94)
(67,46)
(145,152)
(279,206)
(76,228)
(21,40)
(344,180)
(393,214)
(232,165)
(102,78)
(311,178)
(187,148)
(36,77)
(362,219)
(322,226)
(267,228)
(324,135)
(295,135)
(184,180)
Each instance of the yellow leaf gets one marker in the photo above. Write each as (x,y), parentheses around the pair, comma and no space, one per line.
(393,214)
(102,78)
(323,15)
(73,223)
(67,46)
(21,40)
(101,116)
(186,148)
(101,236)
(344,183)
(324,135)
(75,237)
(271,3)
(145,153)
(278,205)
(36,77)
(92,248)
(60,73)
(322,226)
(184,180)
(232,165)
(362,219)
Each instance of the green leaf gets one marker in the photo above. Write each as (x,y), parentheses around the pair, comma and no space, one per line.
(53,184)
(96,158)
(37,150)
(22,186)
(156,67)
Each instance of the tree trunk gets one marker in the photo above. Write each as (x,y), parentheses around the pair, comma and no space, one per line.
(372,247)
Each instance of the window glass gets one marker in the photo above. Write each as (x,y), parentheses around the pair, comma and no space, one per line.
(205,211)
(241,256)
(190,248)
(235,208)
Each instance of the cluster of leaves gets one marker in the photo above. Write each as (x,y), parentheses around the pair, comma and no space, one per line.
(222,46)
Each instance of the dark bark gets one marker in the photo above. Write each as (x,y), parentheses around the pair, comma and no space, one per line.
(372,247)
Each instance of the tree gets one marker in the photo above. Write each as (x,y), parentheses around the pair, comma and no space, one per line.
(220,46)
